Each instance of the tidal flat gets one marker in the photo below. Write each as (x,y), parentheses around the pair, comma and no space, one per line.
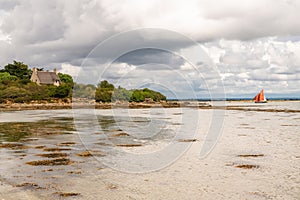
(62,154)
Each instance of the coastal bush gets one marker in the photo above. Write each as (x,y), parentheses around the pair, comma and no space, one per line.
(5,77)
(106,85)
(62,91)
(141,95)
(84,91)
(121,94)
(103,95)
(106,92)
(137,96)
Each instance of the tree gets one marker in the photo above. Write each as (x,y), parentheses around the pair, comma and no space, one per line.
(66,78)
(19,70)
(103,95)
(140,95)
(105,84)
(104,91)
(6,77)
(121,94)
(62,91)
(65,89)
(137,96)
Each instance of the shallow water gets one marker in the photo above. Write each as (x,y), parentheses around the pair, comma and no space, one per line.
(288,105)
(100,145)
(84,137)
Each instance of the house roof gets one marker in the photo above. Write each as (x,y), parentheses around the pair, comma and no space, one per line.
(47,77)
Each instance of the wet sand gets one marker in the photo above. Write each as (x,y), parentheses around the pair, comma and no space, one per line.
(256,157)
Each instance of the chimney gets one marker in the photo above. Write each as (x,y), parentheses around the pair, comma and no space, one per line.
(34,70)
(55,71)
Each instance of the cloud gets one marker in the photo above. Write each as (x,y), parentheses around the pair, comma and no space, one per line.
(246,66)
(253,43)
(148,55)
(67,68)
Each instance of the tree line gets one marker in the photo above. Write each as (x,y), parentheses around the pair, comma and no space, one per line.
(106,92)
(15,86)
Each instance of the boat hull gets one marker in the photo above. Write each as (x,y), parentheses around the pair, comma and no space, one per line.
(260,102)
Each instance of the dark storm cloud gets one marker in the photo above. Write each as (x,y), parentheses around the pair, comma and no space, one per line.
(148,56)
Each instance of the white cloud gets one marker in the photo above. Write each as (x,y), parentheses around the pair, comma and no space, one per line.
(253,43)
(186,66)
(67,68)
(262,63)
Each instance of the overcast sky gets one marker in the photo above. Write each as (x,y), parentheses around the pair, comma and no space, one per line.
(252,44)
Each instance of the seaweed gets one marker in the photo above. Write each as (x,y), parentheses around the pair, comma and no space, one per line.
(13,146)
(16,131)
(120,134)
(66,144)
(57,161)
(247,166)
(30,186)
(251,155)
(187,140)
(57,149)
(129,145)
(53,155)
(67,194)
(85,154)
(40,147)
(90,153)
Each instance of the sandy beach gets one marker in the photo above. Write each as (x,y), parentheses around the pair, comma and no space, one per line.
(257,156)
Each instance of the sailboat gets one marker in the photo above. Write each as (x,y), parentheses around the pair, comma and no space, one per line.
(260,97)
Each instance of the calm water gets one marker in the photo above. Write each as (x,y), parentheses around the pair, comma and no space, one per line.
(130,140)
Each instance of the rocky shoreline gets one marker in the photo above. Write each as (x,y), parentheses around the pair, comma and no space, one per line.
(81,104)
(132,105)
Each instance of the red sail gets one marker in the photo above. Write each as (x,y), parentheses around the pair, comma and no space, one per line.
(260,97)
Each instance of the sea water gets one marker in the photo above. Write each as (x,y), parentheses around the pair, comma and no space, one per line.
(152,142)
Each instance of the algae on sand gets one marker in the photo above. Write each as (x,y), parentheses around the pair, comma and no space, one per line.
(56,149)
(53,155)
(15,131)
(67,194)
(247,166)
(251,155)
(13,146)
(57,161)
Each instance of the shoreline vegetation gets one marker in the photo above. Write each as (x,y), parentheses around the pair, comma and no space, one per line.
(20,84)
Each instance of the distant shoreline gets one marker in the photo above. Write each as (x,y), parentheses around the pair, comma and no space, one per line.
(140,105)
(83,105)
